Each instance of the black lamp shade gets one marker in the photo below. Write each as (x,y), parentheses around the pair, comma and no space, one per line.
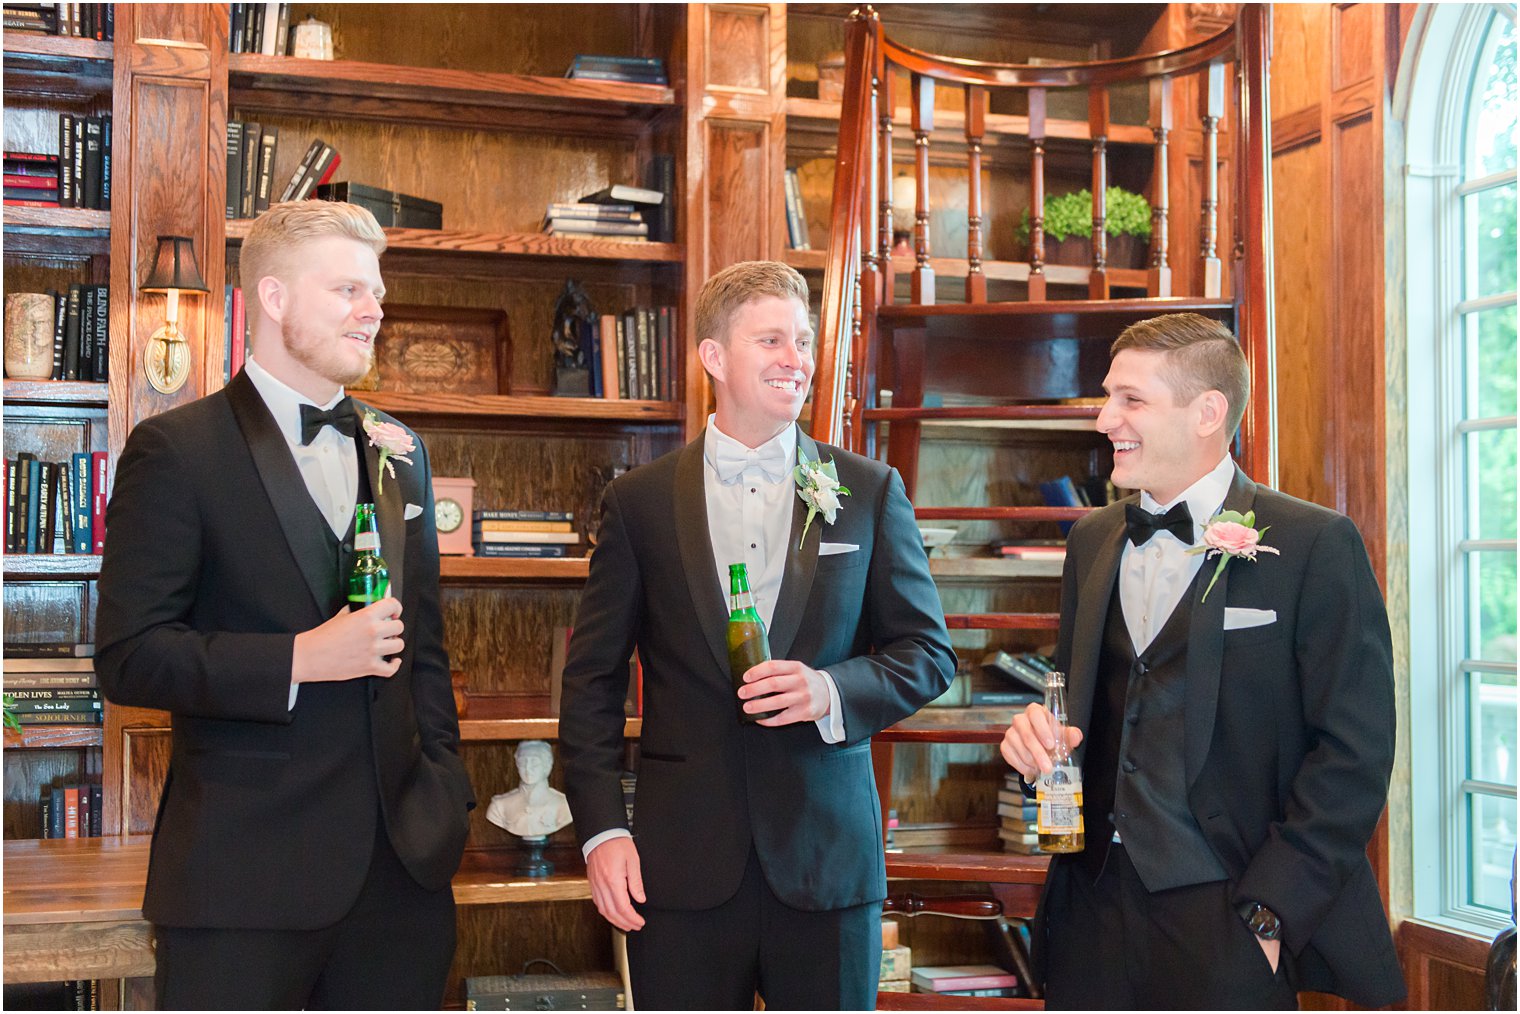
(174,267)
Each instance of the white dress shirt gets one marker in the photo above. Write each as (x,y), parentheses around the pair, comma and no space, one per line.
(329,465)
(1153,577)
(749,520)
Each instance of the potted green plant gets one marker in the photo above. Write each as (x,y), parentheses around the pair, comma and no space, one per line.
(1068,228)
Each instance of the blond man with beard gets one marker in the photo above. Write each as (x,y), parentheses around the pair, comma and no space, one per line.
(316,807)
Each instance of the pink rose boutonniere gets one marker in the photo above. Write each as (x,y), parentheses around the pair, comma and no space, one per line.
(1229,535)
(393,441)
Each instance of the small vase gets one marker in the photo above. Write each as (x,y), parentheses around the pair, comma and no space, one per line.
(29,335)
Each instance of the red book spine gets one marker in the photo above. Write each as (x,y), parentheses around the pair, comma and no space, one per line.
(239,328)
(13,202)
(333,168)
(98,502)
(71,813)
(31,182)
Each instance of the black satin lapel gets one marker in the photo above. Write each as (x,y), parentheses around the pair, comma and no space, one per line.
(301,522)
(1206,642)
(1097,587)
(801,565)
(695,543)
(389,508)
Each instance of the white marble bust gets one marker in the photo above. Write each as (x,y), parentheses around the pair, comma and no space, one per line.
(533,809)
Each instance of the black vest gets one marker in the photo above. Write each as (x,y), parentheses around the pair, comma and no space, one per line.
(1134,773)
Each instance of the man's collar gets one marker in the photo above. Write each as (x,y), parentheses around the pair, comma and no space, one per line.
(284,402)
(1204,497)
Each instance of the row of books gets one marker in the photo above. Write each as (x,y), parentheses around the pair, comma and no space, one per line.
(315,168)
(1093,491)
(260,28)
(78,21)
(631,69)
(1018,819)
(77,176)
(55,507)
(81,330)
(235,332)
(965,980)
(585,220)
(524,533)
(1023,672)
(250,167)
(633,355)
(796,216)
(72,811)
(61,706)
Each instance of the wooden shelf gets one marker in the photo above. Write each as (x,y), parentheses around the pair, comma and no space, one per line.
(491,570)
(976,724)
(57,220)
(51,566)
(486,877)
(977,866)
(503,406)
(1046,319)
(1003,621)
(816,116)
(513,244)
(933,1001)
(56,392)
(391,93)
(996,271)
(988,568)
(498,717)
(56,67)
(52,737)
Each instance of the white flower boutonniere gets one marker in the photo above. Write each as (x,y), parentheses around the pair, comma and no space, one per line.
(393,441)
(818,486)
(1229,535)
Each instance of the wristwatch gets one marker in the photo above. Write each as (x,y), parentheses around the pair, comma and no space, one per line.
(1260,919)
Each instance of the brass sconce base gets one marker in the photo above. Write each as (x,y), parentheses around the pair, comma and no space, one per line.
(166,360)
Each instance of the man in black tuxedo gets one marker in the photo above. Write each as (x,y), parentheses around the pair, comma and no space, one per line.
(315,808)
(1235,726)
(756,860)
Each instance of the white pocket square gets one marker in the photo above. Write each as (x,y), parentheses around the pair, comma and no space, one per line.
(1239,619)
(412,511)
(835,548)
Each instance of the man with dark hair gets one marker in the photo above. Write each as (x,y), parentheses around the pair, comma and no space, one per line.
(1230,691)
(755,863)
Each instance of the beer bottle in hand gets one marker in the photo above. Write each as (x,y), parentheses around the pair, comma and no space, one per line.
(747,644)
(1059,794)
(369,580)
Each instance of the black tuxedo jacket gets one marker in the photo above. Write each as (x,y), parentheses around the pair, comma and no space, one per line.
(216,560)
(1288,726)
(707,786)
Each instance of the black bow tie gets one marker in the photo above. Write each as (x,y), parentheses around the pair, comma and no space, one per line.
(341,418)
(1140,524)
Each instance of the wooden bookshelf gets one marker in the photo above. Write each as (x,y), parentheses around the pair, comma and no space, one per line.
(422,407)
(45,66)
(417,242)
(468,570)
(996,271)
(51,567)
(50,737)
(511,717)
(56,220)
(56,392)
(987,866)
(992,568)
(806,116)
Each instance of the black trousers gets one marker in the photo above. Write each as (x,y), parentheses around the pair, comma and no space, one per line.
(1110,944)
(719,958)
(391,951)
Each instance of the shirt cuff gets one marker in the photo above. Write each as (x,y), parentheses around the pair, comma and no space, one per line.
(831,726)
(608,835)
(295,688)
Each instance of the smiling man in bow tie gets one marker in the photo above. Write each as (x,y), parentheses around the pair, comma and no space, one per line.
(755,862)
(315,808)
(1230,691)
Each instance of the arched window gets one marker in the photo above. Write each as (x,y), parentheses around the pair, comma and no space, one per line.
(1460,206)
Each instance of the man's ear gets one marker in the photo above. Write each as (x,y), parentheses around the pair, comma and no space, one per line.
(273,297)
(1213,409)
(710,353)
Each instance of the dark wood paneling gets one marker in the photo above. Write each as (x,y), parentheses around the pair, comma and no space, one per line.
(142,741)
(42,611)
(1444,970)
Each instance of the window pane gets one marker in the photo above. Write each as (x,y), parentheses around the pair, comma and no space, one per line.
(1490,339)
(1491,482)
(1491,843)
(1491,721)
(1491,605)
(1490,218)
(1491,118)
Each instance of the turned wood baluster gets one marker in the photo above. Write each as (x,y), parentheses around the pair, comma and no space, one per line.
(1158,280)
(923,124)
(1213,111)
(1097,122)
(976,128)
(886,104)
(1037,194)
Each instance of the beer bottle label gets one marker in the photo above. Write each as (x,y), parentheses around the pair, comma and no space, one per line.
(1060,807)
(366,542)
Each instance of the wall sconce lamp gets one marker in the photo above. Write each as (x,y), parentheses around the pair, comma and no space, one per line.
(166,359)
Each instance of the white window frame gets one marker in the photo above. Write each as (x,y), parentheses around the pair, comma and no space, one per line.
(1437,105)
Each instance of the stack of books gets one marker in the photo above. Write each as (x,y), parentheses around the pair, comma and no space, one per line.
(635,355)
(78,176)
(259,28)
(589,220)
(56,690)
(317,167)
(79,21)
(896,961)
(1018,816)
(630,69)
(31,179)
(524,533)
(55,507)
(1030,549)
(965,980)
(251,150)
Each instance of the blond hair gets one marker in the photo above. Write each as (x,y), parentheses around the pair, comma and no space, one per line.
(274,233)
(1198,354)
(729,289)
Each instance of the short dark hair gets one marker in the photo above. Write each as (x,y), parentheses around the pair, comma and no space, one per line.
(1200,354)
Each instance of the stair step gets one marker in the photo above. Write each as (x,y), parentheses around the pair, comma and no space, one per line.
(1003,621)
(984,412)
(1001,513)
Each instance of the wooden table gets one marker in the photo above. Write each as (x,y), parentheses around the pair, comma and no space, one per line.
(73,909)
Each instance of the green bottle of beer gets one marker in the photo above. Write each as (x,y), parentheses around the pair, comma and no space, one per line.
(747,644)
(370,579)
